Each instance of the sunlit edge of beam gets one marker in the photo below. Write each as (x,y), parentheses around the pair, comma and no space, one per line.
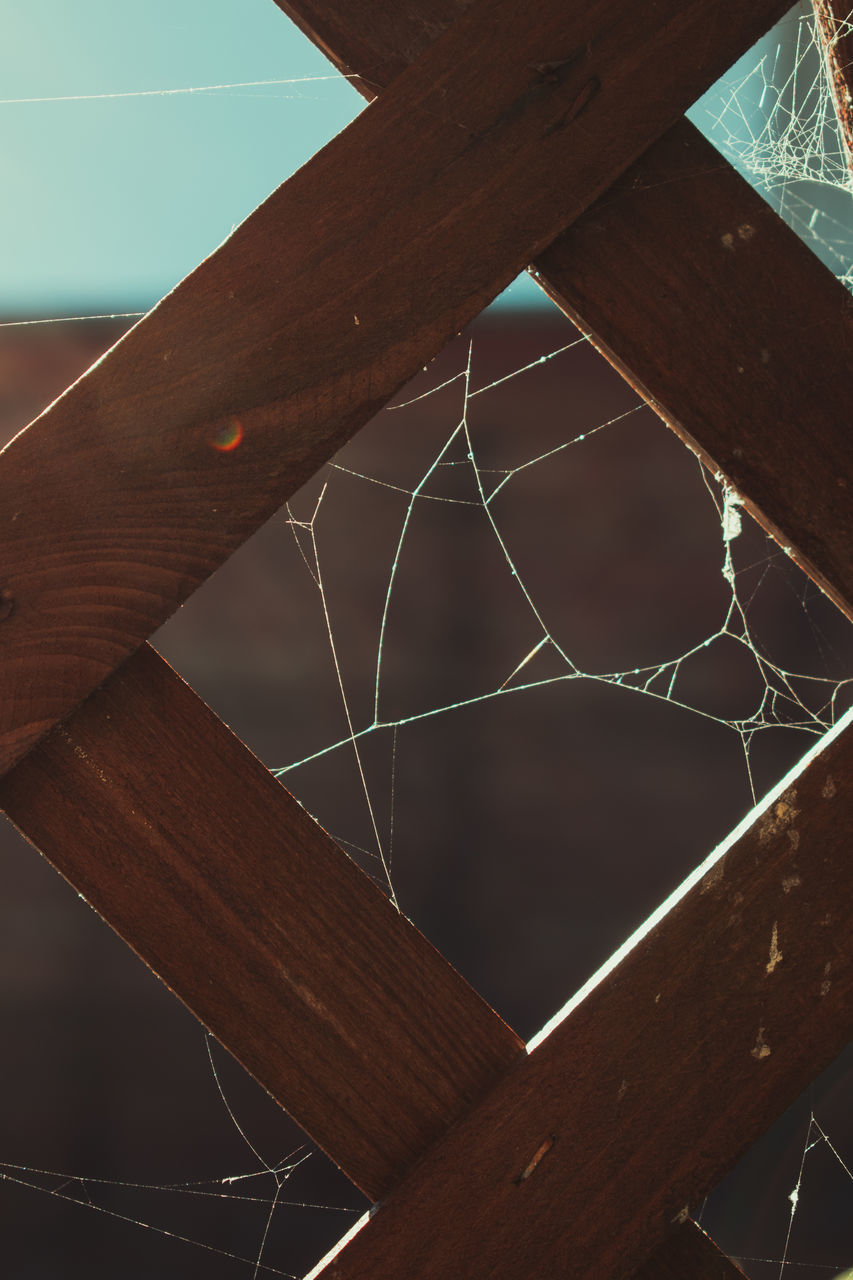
(750,819)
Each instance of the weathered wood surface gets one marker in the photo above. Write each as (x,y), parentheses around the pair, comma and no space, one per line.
(699,294)
(732,329)
(125,495)
(214,886)
(215,876)
(835,24)
(377,42)
(589,1151)
(689,1254)
(182,840)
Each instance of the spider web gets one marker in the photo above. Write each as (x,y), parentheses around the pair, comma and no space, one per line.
(527,613)
(514,601)
(795,1222)
(774,117)
(462,638)
(257,1222)
(470,471)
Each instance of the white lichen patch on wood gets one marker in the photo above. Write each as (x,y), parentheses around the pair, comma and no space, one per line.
(745,232)
(778,818)
(775,954)
(761,1049)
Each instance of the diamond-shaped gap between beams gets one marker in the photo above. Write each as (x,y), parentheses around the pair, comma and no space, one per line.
(485,1053)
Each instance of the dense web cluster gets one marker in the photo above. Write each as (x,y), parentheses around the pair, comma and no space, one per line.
(774,117)
(449,504)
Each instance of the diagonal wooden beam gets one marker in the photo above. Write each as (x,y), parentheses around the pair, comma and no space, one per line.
(137,483)
(377,42)
(244,907)
(185,844)
(189,848)
(89,766)
(733,331)
(697,292)
(591,1150)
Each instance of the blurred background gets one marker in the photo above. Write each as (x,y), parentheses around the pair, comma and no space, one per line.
(527,819)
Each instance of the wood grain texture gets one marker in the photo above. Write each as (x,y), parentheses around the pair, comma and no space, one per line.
(182,841)
(210,870)
(375,42)
(835,24)
(255,918)
(688,1254)
(120,499)
(671,252)
(456,1091)
(743,342)
(590,1150)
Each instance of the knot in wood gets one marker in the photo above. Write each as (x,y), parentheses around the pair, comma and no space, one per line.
(7,604)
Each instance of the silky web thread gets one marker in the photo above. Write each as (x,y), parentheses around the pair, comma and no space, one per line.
(777,123)
(83,1189)
(783,703)
(795,149)
(658,681)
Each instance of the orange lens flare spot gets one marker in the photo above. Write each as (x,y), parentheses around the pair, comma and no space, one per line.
(227,438)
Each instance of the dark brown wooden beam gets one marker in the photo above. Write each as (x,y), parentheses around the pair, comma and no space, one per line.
(135,485)
(733,331)
(479,1073)
(698,293)
(189,848)
(210,870)
(593,1149)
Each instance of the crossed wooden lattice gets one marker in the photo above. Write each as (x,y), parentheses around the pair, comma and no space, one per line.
(498,127)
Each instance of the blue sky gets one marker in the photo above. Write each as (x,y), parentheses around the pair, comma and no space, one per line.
(110,200)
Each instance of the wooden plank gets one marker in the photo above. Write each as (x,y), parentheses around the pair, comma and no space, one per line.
(588,1152)
(249,912)
(688,1254)
(206,866)
(682,246)
(185,844)
(137,483)
(836,31)
(376,43)
(741,340)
